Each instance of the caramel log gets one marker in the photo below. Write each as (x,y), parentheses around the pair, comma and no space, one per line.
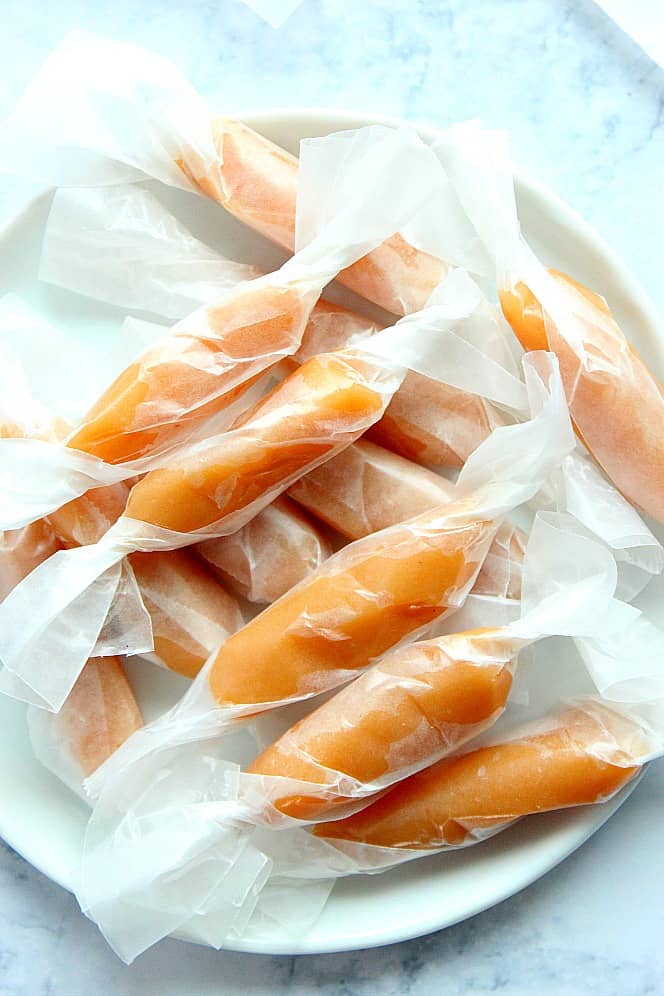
(259,186)
(417,705)
(191,613)
(319,408)
(276,550)
(360,603)
(211,357)
(366,488)
(258,181)
(21,550)
(100,713)
(435,424)
(616,404)
(488,787)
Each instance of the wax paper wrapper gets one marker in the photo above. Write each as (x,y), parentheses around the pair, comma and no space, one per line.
(581,755)
(122,618)
(199,368)
(191,613)
(367,488)
(184,271)
(20,552)
(428,699)
(198,718)
(175,605)
(180,612)
(172,876)
(276,550)
(594,748)
(625,662)
(275,12)
(79,124)
(118,621)
(318,410)
(190,616)
(579,487)
(21,412)
(119,244)
(99,715)
(458,536)
(616,404)
(428,421)
(261,799)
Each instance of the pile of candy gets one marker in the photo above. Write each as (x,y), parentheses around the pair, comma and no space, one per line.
(407,495)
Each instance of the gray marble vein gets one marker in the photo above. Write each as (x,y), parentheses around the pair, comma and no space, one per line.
(585,109)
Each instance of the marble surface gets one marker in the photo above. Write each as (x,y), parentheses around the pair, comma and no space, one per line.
(585,109)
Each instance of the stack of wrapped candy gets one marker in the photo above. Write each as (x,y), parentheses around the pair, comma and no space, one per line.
(347,532)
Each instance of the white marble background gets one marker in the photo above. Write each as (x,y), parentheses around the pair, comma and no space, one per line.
(585,109)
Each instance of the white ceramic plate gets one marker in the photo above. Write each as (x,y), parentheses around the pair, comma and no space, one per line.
(45,822)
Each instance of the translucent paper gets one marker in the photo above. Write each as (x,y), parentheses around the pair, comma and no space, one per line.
(286,783)
(172,608)
(476,795)
(579,487)
(222,482)
(428,421)
(45,373)
(190,611)
(190,615)
(428,699)
(579,755)
(197,371)
(366,488)
(502,569)
(276,550)
(120,245)
(99,715)
(151,123)
(625,664)
(183,271)
(375,592)
(616,404)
